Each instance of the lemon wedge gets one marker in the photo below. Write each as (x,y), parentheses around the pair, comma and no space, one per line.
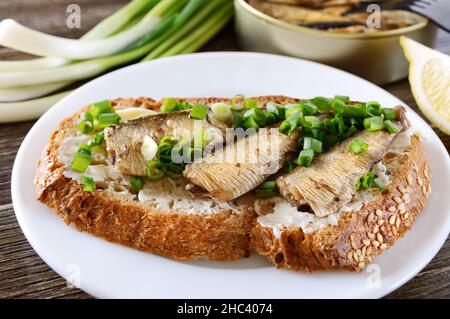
(429,76)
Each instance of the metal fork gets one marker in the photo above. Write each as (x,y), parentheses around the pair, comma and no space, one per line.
(437,11)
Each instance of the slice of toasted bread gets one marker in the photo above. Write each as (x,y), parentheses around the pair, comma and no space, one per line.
(357,236)
(223,235)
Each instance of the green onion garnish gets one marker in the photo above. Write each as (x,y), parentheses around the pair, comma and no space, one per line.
(291,109)
(169,140)
(88,184)
(108,119)
(285,127)
(342,98)
(169,105)
(236,107)
(374,123)
(313,144)
(100,108)
(237,120)
(311,122)
(322,103)
(98,138)
(374,108)
(222,112)
(250,104)
(305,157)
(379,184)
(137,183)
(351,131)
(250,122)
(257,114)
(199,111)
(81,160)
(390,114)
(367,180)
(289,166)
(291,123)
(266,189)
(86,122)
(155,170)
(276,109)
(309,108)
(174,171)
(358,146)
(390,127)
(271,118)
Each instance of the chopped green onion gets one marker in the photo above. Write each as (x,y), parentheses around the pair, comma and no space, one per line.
(98,138)
(81,160)
(374,108)
(379,184)
(88,184)
(305,157)
(222,112)
(266,189)
(289,166)
(236,107)
(169,140)
(358,146)
(174,171)
(390,126)
(100,108)
(250,122)
(85,124)
(257,114)
(367,180)
(338,106)
(199,111)
(290,124)
(250,104)
(309,108)
(390,114)
(285,127)
(374,123)
(137,183)
(311,122)
(350,132)
(169,105)
(322,103)
(108,119)
(271,118)
(292,109)
(238,119)
(155,170)
(342,98)
(276,109)
(313,144)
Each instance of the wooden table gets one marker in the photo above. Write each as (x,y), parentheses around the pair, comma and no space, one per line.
(23,274)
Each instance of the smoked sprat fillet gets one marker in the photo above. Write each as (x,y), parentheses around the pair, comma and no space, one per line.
(329,183)
(231,179)
(124,141)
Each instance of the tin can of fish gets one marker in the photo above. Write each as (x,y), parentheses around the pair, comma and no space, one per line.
(375,56)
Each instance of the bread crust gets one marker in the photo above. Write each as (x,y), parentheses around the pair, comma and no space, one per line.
(221,236)
(358,236)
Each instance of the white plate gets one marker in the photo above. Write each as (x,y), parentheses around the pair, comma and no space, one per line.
(109,270)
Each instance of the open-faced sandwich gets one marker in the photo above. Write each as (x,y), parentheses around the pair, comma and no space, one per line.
(315,184)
